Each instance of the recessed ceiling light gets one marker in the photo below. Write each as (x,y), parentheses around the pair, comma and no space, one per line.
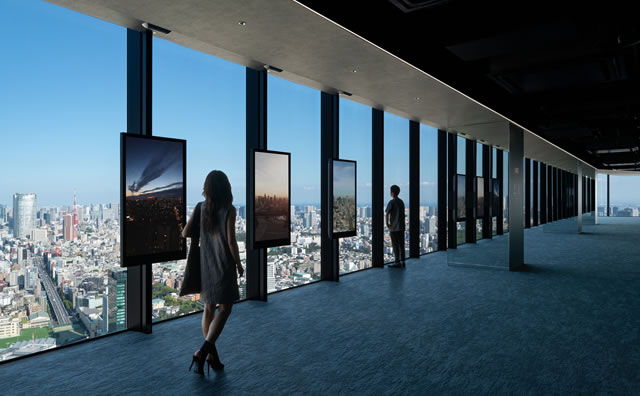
(354,71)
(273,68)
(417,98)
(155,28)
(242,23)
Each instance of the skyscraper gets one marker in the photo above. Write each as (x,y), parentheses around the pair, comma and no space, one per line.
(105,311)
(121,290)
(68,227)
(3,214)
(271,278)
(24,214)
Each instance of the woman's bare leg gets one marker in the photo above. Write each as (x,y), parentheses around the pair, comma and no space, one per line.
(224,310)
(207,317)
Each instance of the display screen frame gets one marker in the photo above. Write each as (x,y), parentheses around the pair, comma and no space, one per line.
(480,199)
(127,260)
(267,243)
(461,198)
(348,233)
(495,195)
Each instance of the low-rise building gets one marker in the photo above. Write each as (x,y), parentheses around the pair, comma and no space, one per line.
(38,320)
(9,327)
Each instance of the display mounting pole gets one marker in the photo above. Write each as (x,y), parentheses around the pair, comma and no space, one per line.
(139,95)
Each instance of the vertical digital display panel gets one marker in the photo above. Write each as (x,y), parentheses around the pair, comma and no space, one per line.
(153,199)
(461,203)
(480,197)
(342,175)
(495,201)
(272,198)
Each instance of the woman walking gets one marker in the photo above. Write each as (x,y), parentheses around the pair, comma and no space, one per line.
(219,259)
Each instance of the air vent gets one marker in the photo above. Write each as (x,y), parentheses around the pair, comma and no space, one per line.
(407,6)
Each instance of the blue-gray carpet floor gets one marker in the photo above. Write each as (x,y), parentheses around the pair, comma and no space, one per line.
(570,324)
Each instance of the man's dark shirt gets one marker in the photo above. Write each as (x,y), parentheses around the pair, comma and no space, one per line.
(395,208)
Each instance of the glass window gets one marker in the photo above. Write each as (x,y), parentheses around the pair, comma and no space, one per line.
(428,189)
(355,144)
(63,108)
(494,162)
(602,194)
(462,155)
(396,171)
(461,170)
(532,181)
(200,98)
(505,192)
(293,125)
(624,198)
(537,181)
(479,190)
(494,178)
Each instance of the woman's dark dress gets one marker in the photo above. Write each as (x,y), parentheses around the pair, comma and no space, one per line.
(218,269)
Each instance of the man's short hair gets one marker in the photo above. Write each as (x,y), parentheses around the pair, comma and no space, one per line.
(395,189)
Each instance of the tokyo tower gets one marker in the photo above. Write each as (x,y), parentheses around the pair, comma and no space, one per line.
(75,217)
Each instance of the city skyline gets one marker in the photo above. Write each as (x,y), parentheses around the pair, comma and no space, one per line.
(183,86)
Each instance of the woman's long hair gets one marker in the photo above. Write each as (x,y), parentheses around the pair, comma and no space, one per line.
(217,191)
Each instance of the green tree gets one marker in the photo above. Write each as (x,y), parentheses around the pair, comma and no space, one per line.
(159,290)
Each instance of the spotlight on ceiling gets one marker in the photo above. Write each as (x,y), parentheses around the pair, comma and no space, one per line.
(273,69)
(242,23)
(155,28)
(344,93)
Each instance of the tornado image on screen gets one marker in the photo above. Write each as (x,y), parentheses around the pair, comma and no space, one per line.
(154,210)
(272,202)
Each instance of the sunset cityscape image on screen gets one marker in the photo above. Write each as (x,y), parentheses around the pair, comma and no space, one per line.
(272,196)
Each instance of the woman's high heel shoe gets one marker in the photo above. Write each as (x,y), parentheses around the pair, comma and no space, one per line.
(213,360)
(199,364)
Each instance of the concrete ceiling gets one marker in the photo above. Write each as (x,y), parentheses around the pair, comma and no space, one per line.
(318,53)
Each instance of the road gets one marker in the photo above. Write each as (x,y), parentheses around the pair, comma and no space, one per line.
(59,310)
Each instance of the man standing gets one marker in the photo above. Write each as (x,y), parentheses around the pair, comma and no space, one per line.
(395,222)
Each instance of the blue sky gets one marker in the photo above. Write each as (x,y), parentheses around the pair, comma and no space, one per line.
(153,165)
(272,174)
(63,101)
(63,104)
(343,178)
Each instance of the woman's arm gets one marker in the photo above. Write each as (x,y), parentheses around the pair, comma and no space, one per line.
(186,231)
(231,239)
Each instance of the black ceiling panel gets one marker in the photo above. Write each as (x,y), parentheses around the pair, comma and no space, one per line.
(568,73)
